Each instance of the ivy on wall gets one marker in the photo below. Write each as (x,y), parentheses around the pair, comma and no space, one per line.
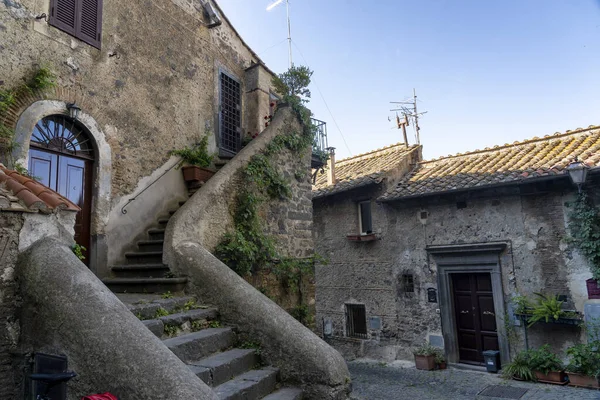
(248,248)
(585,231)
(41,79)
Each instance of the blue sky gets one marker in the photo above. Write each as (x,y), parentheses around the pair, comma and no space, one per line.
(487,72)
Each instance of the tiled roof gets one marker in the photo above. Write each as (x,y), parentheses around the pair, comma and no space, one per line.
(509,163)
(363,169)
(21,193)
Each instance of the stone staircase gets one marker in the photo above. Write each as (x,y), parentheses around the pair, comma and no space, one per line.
(213,352)
(144,271)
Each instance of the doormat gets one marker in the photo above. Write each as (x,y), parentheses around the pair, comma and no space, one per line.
(503,392)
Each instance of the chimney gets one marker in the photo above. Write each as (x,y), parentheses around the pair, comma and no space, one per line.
(331,180)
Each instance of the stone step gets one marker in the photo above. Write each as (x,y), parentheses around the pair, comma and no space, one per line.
(253,384)
(163,221)
(140,271)
(183,321)
(146,306)
(151,245)
(144,257)
(197,345)
(221,367)
(145,285)
(156,233)
(285,394)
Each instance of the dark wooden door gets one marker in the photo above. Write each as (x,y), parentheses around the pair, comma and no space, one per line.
(71,177)
(475,316)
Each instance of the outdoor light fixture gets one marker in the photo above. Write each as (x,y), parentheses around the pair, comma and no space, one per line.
(74,110)
(577,172)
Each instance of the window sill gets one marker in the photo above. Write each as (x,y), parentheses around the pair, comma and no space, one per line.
(362,238)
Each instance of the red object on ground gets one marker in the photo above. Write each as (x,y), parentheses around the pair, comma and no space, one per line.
(103,396)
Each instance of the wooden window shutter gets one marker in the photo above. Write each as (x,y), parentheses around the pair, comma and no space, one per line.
(63,15)
(79,18)
(89,27)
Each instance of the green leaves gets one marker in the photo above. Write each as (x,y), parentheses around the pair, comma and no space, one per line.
(520,367)
(585,359)
(585,231)
(294,83)
(547,307)
(543,360)
(197,155)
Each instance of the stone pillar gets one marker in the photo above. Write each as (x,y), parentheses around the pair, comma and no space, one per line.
(258,98)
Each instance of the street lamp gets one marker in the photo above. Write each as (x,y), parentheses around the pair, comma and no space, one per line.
(578,173)
(74,110)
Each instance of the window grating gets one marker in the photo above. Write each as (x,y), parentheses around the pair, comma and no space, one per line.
(408,283)
(230,117)
(356,321)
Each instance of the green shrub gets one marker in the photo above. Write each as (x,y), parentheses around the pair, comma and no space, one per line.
(197,155)
(584,359)
(544,360)
(547,308)
(520,367)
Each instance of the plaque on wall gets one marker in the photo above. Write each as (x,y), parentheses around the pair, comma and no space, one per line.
(432,295)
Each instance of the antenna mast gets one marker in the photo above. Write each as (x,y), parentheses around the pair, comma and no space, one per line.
(409,113)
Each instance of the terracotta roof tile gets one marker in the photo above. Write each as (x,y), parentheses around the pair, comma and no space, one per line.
(502,164)
(21,193)
(361,170)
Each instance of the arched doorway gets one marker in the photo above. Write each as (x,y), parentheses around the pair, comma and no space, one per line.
(61,156)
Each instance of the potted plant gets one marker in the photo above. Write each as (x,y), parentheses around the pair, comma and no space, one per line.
(584,366)
(197,159)
(547,366)
(440,359)
(425,357)
(519,368)
(547,308)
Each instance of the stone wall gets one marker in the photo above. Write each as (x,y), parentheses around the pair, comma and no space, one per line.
(10,226)
(530,221)
(153,87)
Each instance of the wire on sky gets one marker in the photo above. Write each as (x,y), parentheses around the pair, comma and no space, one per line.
(324,101)
(269,48)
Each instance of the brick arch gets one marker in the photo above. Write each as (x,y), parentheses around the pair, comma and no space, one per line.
(31,108)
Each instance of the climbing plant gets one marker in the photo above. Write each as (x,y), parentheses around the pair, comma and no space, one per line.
(248,248)
(41,79)
(585,231)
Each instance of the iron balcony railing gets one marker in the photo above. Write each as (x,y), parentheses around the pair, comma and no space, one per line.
(320,146)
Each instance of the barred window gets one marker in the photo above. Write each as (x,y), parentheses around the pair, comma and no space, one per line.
(230,116)
(408,283)
(356,321)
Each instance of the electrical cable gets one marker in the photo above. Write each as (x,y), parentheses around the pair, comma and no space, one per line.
(324,101)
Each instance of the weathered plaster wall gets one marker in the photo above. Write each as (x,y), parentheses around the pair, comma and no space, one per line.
(10,226)
(537,259)
(152,87)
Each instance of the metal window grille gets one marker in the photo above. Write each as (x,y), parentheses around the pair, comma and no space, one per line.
(408,283)
(230,116)
(356,321)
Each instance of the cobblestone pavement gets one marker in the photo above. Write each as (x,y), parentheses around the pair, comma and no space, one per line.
(378,381)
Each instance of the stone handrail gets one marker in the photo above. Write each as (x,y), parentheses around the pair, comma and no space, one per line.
(194,232)
(67,309)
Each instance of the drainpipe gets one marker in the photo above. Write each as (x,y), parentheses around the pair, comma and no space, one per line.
(331,180)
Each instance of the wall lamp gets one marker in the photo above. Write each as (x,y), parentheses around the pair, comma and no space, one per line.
(74,110)
(578,173)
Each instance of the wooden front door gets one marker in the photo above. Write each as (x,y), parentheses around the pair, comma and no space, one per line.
(61,157)
(475,316)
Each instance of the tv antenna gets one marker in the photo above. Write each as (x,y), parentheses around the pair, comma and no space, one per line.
(408,109)
(289,38)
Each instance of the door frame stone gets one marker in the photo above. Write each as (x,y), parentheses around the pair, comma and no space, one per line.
(469,258)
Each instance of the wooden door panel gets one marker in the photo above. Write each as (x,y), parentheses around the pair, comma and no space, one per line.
(475,315)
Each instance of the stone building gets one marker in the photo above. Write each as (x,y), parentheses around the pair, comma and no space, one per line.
(450,244)
(134,81)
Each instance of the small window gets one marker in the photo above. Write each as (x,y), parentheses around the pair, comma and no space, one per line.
(356,321)
(79,18)
(230,114)
(364,218)
(408,283)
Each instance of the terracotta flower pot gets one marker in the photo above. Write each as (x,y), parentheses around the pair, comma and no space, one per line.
(443,365)
(426,363)
(593,288)
(193,173)
(555,377)
(582,380)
